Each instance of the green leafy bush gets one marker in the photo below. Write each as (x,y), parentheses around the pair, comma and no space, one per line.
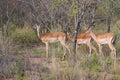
(24,35)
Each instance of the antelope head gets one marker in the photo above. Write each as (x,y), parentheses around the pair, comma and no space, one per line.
(38,26)
(88,31)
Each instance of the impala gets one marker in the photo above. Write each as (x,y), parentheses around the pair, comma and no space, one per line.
(83,39)
(51,38)
(104,38)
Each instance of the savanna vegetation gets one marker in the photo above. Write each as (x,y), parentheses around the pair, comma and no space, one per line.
(23,56)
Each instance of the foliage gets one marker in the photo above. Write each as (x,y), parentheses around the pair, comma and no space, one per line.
(25,35)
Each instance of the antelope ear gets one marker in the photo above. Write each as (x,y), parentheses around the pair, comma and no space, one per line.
(68,33)
(37,25)
(89,28)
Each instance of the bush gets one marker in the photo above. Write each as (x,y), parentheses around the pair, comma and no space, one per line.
(24,35)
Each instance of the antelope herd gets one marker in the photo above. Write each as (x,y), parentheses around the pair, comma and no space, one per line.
(84,38)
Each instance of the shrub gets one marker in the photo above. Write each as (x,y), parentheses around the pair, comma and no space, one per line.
(24,35)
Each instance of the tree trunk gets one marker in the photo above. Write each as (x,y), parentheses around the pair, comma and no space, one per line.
(75,38)
(108,21)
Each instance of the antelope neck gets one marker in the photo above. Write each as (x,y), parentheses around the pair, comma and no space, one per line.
(38,33)
(93,36)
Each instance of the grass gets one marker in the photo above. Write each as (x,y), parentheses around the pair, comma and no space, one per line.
(116,78)
(95,65)
(38,52)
